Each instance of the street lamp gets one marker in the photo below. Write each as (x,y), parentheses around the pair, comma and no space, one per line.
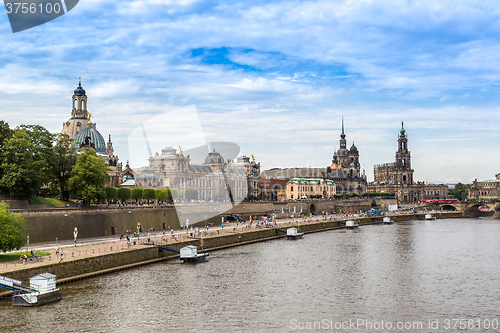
(75,232)
(138,225)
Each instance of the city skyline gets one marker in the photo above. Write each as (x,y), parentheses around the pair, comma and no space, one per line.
(274,77)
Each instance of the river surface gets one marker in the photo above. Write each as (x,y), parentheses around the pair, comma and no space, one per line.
(418,276)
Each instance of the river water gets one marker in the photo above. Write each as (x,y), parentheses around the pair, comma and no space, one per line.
(418,276)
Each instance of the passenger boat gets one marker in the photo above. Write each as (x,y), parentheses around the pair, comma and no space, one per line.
(387,220)
(351,224)
(292,233)
(189,254)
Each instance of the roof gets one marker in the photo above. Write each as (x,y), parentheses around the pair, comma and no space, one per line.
(90,137)
(43,276)
(491,181)
(129,182)
(311,181)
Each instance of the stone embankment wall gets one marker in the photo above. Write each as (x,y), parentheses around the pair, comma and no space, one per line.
(46,225)
(70,270)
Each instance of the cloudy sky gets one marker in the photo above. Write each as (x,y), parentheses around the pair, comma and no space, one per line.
(274,77)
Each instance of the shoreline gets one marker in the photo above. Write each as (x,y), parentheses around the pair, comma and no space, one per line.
(78,268)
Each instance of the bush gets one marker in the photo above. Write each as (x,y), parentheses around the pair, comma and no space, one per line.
(191,193)
(124,193)
(111,193)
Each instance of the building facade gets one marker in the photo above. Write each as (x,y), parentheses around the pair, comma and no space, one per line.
(397,177)
(486,189)
(85,135)
(345,169)
(303,188)
(215,179)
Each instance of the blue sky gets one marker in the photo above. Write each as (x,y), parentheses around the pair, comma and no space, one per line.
(274,77)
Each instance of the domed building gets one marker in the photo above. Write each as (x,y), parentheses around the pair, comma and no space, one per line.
(90,137)
(85,135)
(345,169)
(215,178)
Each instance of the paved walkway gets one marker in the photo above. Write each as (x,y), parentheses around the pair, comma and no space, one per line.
(99,246)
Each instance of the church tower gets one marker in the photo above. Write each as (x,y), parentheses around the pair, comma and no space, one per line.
(80,117)
(404,172)
(343,152)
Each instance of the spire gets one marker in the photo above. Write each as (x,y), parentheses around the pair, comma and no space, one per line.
(402,131)
(342,136)
(80,81)
(110,149)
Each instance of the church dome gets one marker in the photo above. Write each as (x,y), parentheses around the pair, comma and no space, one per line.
(343,152)
(353,149)
(90,137)
(214,158)
(79,91)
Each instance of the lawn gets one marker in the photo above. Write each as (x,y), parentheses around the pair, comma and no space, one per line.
(50,202)
(15,256)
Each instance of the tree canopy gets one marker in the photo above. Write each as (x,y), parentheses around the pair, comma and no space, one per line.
(148,194)
(64,160)
(191,193)
(12,226)
(136,193)
(25,167)
(111,193)
(88,176)
(124,193)
(461,191)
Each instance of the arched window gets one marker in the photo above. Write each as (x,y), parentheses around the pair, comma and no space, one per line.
(404,179)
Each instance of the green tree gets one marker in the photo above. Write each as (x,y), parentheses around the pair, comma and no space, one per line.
(161,194)
(124,193)
(191,193)
(26,160)
(64,160)
(43,142)
(168,192)
(174,193)
(461,191)
(12,226)
(148,194)
(136,193)
(23,166)
(111,193)
(5,134)
(88,176)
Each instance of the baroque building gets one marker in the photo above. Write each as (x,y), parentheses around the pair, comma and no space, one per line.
(344,173)
(215,178)
(345,169)
(397,177)
(85,135)
(303,188)
(486,189)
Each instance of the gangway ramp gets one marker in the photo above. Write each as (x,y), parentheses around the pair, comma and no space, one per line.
(14,285)
(168,248)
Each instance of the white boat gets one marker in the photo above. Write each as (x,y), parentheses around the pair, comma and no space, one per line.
(387,220)
(351,224)
(189,254)
(429,217)
(42,290)
(292,233)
